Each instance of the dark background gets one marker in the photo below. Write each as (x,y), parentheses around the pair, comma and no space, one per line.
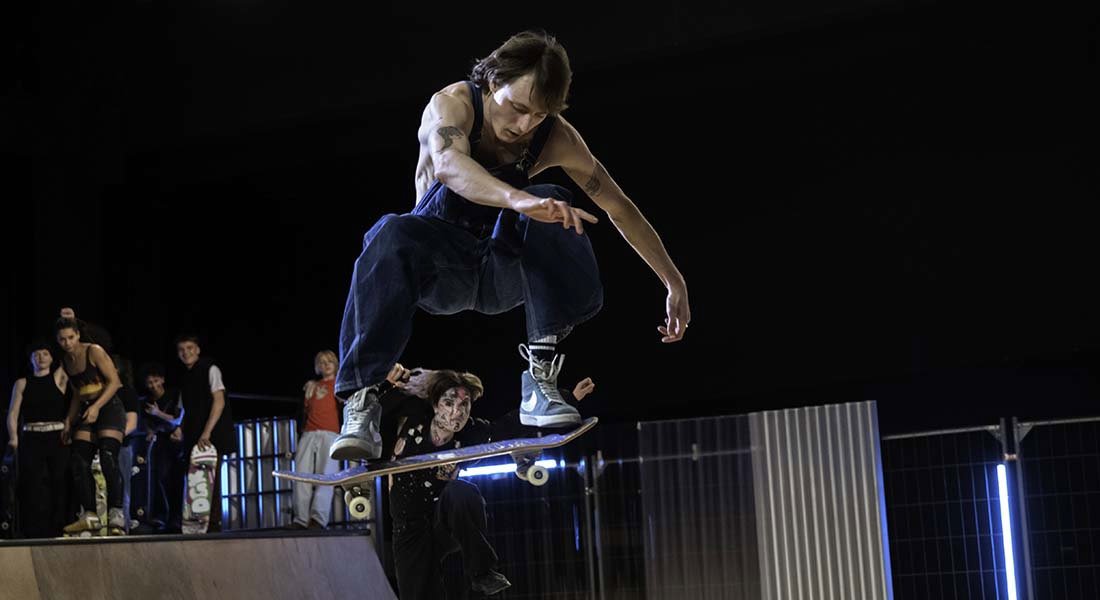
(869,200)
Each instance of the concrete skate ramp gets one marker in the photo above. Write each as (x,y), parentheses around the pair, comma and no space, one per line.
(201,568)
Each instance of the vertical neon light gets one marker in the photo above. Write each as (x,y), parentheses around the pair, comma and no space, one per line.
(1006,532)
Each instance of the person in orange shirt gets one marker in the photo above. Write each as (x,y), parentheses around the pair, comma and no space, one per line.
(313,504)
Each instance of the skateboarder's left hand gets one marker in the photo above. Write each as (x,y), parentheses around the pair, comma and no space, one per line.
(677,314)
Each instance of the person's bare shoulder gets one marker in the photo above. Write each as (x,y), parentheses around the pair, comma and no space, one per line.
(451,105)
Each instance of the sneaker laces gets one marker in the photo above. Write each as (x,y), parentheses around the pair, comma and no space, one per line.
(356,415)
(545,373)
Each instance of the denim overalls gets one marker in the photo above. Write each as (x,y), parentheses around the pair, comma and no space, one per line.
(451,255)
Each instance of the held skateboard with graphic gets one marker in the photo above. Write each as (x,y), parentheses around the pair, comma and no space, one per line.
(199,497)
(523,450)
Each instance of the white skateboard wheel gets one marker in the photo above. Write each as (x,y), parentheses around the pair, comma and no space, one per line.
(359,508)
(538,475)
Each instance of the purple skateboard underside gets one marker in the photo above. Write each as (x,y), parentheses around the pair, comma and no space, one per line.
(412,463)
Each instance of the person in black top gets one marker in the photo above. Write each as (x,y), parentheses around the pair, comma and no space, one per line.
(434,513)
(95,334)
(95,413)
(207,418)
(163,415)
(39,402)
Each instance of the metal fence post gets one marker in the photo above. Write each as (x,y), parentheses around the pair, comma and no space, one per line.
(1018,434)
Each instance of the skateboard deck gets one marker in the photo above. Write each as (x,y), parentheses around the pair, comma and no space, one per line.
(139,483)
(516,447)
(8,474)
(199,497)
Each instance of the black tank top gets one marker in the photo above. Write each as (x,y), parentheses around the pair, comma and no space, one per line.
(42,401)
(442,203)
(88,383)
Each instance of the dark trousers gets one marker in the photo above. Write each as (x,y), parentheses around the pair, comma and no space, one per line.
(169,468)
(419,545)
(43,484)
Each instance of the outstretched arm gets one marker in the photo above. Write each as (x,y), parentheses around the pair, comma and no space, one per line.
(444,135)
(566,149)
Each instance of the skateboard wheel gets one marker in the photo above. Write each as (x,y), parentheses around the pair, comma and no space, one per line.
(537,475)
(141,512)
(4,526)
(141,460)
(135,469)
(359,508)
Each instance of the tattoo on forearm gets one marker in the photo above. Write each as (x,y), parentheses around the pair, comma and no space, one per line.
(592,187)
(448,134)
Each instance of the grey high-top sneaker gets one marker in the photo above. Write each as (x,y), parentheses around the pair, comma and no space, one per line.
(541,404)
(359,437)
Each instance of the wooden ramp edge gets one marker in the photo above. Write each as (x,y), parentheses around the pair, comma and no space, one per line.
(337,566)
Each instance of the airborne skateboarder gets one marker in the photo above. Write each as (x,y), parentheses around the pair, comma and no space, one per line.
(482,238)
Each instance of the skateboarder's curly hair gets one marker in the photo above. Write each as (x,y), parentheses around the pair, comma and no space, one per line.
(445,379)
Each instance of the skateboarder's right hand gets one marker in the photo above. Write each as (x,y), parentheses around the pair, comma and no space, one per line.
(66,435)
(14,443)
(549,210)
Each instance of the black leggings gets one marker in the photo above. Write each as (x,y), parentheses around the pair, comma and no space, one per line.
(82,454)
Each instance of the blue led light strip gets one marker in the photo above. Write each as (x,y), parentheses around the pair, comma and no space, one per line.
(1006,531)
(505,468)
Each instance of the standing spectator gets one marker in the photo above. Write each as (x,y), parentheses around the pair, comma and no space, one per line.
(43,457)
(207,418)
(313,504)
(95,413)
(163,415)
(96,334)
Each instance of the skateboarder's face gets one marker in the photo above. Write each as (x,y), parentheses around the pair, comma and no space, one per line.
(452,411)
(515,111)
